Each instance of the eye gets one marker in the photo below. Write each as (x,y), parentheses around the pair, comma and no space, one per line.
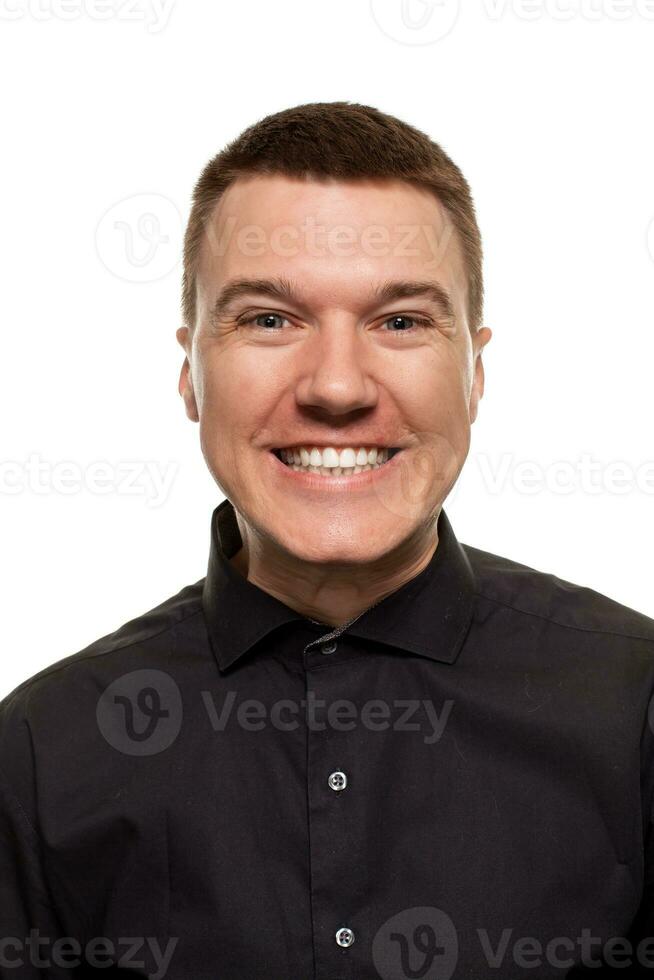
(406,323)
(271,322)
(266,317)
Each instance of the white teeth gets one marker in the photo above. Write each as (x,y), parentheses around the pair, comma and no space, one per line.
(332,462)
(330,457)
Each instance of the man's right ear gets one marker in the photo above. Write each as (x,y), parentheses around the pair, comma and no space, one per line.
(185,385)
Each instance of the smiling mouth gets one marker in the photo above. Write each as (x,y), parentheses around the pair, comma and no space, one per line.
(330,461)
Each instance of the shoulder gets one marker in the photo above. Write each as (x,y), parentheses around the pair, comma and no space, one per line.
(523,591)
(141,632)
(51,707)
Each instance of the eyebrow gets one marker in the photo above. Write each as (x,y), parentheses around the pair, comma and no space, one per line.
(282,289)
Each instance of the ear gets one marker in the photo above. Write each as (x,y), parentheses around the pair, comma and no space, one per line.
(185,385)
(479,341)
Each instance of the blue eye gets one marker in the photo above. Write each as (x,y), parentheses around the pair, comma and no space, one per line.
(272,322)
(411,319)
(265,316)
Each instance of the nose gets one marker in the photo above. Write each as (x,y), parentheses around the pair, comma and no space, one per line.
(335,376)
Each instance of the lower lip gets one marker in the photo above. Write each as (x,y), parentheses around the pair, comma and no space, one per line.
(316,481)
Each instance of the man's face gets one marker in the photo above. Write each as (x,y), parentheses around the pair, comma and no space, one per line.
(328,363)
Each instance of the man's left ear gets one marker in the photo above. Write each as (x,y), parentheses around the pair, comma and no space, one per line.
(479,341)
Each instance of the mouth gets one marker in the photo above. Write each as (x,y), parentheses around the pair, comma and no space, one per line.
(352,467)
(334,462)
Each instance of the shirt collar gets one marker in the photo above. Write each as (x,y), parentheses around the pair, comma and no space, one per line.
(429,615)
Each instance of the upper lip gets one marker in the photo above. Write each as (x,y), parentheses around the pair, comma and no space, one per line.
(339,445)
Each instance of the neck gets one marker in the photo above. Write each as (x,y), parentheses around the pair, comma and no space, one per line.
(331,593)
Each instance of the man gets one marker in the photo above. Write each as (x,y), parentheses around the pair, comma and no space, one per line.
(357,748)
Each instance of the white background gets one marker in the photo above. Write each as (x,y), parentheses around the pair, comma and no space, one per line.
(547,109)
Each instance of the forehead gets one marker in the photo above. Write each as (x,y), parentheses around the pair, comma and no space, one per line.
(331,235)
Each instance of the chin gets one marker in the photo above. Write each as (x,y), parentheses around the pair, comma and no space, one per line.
(357,546)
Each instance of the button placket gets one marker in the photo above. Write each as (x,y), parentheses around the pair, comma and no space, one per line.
(328,641)
(328,823)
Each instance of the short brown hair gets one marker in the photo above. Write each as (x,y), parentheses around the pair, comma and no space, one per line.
(340,140)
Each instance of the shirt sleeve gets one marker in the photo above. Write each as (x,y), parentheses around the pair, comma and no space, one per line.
(29,927)
(32,942)
(642,929)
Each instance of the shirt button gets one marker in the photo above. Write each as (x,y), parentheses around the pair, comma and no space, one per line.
(344,937)
(328,647)
(337,780)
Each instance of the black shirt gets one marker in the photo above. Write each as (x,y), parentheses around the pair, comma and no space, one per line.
(458,782)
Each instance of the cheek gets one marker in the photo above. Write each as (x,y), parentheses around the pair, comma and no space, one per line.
(437,411)
(433,388)
(238,401)
(245,377)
